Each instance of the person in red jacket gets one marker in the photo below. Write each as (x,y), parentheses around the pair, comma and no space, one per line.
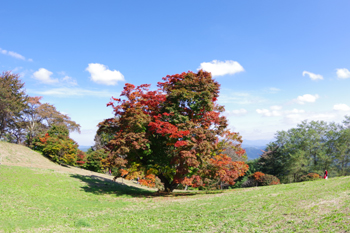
(325,174)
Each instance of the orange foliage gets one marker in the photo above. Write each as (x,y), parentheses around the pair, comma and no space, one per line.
(227,170)
(123,172)
(149,180)
(258,176)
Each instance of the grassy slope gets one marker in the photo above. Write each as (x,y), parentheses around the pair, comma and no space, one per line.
(18,155)
(42,200)
(13,154)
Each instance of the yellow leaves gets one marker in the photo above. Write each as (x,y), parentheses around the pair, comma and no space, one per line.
(152,171)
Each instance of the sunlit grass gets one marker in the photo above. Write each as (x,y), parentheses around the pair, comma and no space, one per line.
(39,200)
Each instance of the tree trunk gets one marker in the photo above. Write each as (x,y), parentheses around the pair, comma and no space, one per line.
(168,186)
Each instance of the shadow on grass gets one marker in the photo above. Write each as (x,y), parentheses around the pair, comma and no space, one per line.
(99,185)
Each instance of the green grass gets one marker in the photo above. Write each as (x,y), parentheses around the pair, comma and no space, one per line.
(39,200)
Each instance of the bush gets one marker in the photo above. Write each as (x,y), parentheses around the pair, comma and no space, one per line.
(250,182)
(269,180)
(239,183)
(258,176)
(260,179)
(57,146)
(310,177)
(81,158)
(96,160)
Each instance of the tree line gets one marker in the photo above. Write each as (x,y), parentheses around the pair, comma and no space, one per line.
(311,147)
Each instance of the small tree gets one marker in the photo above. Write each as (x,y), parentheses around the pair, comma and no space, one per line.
(40,117)
(13,101)
(57,146)
(96,160)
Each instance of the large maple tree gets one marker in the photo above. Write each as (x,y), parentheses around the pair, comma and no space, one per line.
(173,131)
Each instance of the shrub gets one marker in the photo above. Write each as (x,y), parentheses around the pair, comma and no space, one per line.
(250,182)
(258,176)
(261,179)
(239,183)
(96,160)
(81,158)
(269,180)
(310,177)
(56,145)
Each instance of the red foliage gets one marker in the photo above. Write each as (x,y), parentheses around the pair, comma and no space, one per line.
(81,158)
(226,170)
(173,130)
(265,179)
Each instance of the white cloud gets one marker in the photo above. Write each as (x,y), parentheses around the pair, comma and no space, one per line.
(274,90)
(341,107)
(312,75)
(85,138)
(16,55)
(220,68)
(3,51)
(295,111)
(237,112)
(70,92)
(276,111)
(44,76)
(102,75)
(306,98)
(268,113)
(343,73)
(276,107)
(13,54)
(70,81)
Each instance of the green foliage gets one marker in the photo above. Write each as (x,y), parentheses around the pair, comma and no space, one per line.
(57,146)
(22,117)
(96,160)
(310,147)
(13,101)
(40,117)
(239,183)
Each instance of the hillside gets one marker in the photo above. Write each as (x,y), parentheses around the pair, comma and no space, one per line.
(18,155)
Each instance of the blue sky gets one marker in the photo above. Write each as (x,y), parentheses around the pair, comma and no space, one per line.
(278,62)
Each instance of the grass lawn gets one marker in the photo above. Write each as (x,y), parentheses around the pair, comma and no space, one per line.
(42,200)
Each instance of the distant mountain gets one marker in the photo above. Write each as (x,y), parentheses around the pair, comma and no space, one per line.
(84,148)
(254,152)
(253,147)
